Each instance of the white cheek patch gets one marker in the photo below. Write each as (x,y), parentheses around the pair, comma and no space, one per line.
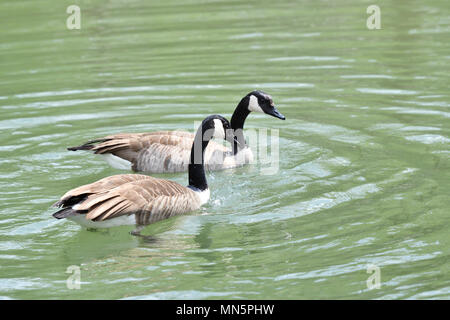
(219,131)
(253,104)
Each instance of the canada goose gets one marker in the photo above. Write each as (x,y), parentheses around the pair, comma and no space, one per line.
(169,151)
(135,199)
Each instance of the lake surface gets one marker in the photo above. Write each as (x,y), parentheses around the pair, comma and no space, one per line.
(363,180)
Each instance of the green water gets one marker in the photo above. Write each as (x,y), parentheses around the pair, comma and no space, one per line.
(364,153)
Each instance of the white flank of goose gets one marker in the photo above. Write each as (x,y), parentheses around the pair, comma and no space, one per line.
(135,199)
(169,151)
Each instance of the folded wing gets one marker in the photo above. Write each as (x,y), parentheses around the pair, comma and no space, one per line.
(149,199)
(156,152)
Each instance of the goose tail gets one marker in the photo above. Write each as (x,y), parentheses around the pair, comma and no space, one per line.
(64,213)
(87,146)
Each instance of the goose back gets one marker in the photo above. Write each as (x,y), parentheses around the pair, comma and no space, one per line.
(149,199)
(162,152)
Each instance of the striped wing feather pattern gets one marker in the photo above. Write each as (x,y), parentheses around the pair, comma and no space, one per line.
(149,199)
(158,152)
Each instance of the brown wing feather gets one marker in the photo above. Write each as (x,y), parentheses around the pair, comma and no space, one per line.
(136,197)
(162,151)
(99,186)
(128,145)
(127,194)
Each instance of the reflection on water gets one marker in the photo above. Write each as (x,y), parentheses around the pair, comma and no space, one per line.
(364,153)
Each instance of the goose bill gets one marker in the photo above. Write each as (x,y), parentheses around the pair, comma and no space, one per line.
(275,113)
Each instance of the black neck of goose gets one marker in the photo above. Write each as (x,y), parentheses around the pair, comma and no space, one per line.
(197,176)
(240,114)
(237,122)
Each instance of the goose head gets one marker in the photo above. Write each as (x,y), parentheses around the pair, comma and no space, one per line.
(214,126)
(218,127)
(259,101)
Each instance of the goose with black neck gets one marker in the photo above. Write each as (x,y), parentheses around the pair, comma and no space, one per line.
(169,151)
(135,199)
